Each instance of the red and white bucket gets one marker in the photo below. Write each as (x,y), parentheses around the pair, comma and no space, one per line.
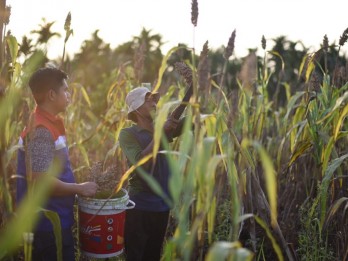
(101,225)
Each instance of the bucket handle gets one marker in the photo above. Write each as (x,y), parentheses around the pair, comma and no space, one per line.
(127,207)
(132,204)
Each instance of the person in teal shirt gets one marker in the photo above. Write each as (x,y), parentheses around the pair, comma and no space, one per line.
(146,224)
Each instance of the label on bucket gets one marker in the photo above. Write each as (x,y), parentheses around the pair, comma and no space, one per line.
(102,235)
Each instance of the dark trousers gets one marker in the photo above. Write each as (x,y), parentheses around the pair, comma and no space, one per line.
(144,234)
(44,247)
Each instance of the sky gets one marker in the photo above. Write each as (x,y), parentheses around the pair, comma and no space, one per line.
(120,20)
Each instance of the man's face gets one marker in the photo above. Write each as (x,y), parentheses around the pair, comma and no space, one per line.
(61,97)
(148,109)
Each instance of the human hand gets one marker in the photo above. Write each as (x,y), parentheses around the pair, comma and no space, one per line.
(87,189)
(169,127)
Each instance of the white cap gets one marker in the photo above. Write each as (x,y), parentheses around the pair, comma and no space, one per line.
(136,97)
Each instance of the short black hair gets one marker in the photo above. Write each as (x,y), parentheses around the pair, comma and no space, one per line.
(45,79)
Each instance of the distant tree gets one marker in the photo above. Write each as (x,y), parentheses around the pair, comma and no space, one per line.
(146,46)
(152,41)
(26,46)
(292,54)
(151,44)
(44,32)
(93,61)
(91,66)
(124,52)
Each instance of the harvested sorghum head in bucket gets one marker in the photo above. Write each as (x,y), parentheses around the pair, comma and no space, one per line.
(107,180)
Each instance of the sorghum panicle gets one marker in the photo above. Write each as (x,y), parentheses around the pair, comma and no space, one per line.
(263,42)
(185,71)
(315,81)
(67,22)
(317,56)
(203,68)
(194,12)
(230,46)
(344,37)
(325,43)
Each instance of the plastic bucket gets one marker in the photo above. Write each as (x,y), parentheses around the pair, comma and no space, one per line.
(101,225)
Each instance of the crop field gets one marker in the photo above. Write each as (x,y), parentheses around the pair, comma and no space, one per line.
(260,171)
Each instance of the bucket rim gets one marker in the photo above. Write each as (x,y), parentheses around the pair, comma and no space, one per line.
(80,198)
(95,255)
(104,204)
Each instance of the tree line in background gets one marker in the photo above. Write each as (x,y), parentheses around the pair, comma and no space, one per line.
(141,57)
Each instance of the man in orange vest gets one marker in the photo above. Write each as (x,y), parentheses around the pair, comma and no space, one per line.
(45,141)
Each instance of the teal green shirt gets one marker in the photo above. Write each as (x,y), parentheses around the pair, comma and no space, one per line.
(129,145)
(133,141)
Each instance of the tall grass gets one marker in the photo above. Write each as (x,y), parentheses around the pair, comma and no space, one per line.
(274,169)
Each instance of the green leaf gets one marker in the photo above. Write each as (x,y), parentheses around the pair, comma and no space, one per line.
(338,104)
(13,47)
(245,151)
(270,236)
(223,250)
(27,213)
(210,123)
(280,57)
(54,218)
(164,66)
(303,62)
(85,96)
(176,178)
(159,123)
(10,152)
(343,114)
(220,90)
(126,175)
(334,164)
(291,104)
(310,68)
(271,181)
(178,166)
(235,196)
(307,60)
(333,209)
(84,154)
(299,151)
(327,153)
(211,220)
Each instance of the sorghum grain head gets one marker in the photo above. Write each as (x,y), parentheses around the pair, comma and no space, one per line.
(194,12)
(325,43)
(344,37)
(263,42)
(230,46)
